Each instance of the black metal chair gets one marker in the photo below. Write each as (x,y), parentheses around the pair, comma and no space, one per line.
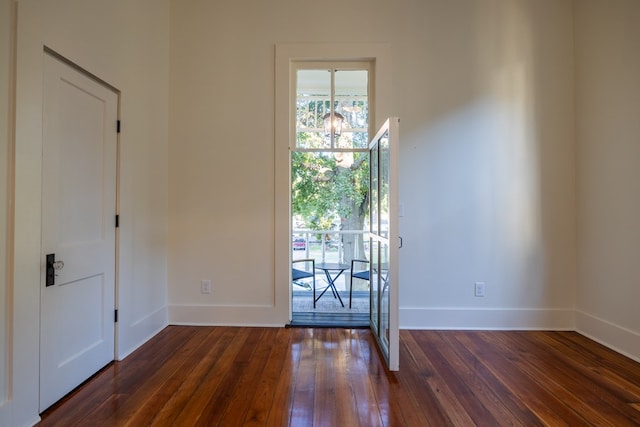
(360,274)
(308,270)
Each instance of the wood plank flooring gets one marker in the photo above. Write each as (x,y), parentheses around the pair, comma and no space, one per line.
(224,376)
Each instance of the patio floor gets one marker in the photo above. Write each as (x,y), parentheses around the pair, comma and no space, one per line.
(330,320)
(328,311)
(303,302)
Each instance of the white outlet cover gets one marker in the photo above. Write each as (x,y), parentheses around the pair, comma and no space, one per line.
(479,289)
(205,286)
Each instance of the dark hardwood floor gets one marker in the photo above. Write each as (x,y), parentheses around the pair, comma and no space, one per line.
(225,376)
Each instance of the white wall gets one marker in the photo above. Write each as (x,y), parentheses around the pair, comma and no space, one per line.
(126,44)
(484,91)
(608,134)
(485,94)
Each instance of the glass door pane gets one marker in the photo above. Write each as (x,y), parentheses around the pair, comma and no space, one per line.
(383,285)
(374,244)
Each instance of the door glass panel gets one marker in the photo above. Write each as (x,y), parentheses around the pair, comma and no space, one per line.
(374,307)
(373,188)
(383,283)
(384,184)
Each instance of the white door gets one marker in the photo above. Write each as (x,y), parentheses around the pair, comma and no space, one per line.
(78,229)
(384,240)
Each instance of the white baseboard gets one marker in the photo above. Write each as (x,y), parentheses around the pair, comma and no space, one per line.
(620,339)
(227,315)
(616,337)
(487,319)
(138,332)
(410,318)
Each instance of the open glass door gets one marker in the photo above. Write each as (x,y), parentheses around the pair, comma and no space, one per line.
(384,240)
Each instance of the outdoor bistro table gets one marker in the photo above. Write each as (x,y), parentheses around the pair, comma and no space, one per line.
(327,267)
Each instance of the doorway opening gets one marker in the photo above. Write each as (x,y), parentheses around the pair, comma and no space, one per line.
(329,194)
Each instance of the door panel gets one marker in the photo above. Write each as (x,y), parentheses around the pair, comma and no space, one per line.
(78,226)
(384,240)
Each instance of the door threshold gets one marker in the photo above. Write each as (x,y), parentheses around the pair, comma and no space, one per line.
(329,320)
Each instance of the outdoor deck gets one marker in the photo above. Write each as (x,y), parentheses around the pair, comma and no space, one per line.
(328,311)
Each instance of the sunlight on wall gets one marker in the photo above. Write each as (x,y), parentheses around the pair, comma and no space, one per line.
(517,173)
(491,167)
(518,164)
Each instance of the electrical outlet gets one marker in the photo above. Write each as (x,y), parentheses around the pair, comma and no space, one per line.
(205,286)
(479,289)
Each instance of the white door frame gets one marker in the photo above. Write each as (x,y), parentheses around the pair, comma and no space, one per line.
(286,55)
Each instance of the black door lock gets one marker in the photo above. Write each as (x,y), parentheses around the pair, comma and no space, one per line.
(52,267)
(51,271)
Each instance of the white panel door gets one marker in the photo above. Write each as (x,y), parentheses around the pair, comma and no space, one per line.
(384,240)
(78,229)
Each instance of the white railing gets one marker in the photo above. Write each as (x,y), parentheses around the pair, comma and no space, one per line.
(329,243)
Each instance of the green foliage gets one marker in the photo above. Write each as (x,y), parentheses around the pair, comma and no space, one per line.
(311,190)
(327,186)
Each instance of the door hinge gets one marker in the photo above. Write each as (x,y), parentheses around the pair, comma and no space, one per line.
(117,221)
(115,315)
(118,126)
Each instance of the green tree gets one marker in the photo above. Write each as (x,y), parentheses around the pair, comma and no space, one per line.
(330,186)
